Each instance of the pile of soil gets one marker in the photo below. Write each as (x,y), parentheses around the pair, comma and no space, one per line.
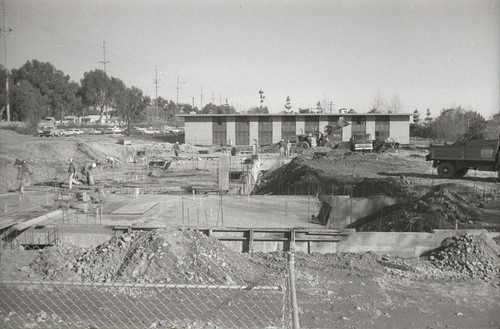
(441,208)
(161,256)
(473,255)
(305,177)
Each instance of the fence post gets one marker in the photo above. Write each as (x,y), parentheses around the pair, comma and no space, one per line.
(293,294)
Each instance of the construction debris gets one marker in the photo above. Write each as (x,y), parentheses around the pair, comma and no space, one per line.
(473,255)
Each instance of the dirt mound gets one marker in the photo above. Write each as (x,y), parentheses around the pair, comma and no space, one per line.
(161,256)
(304,176)
(441,208)
(473,255)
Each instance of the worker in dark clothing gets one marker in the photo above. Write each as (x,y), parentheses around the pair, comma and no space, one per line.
(88,173)
(22,171)
(281,145)
(177,149)
(72,174)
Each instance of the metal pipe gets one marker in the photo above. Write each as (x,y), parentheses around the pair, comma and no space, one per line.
(293,294)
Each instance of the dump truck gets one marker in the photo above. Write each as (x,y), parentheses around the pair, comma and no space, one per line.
(361,142)
(455,160)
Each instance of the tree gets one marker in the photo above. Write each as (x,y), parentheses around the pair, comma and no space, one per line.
(456,123)
(416,117)
(28,104)
(428,118)
(396,105)
(56,87)
(218,109)
(98,91)
(379,104)
(258,110)
(131,103)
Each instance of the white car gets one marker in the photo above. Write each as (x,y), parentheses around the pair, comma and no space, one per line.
(71,132)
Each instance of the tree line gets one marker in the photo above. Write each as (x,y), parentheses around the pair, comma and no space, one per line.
(38,89)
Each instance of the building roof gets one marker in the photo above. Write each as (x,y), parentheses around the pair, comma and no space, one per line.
(293,115)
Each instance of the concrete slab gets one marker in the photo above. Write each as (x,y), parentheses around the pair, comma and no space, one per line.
(134,208)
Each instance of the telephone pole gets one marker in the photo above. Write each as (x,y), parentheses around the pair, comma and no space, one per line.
(201,98)
(155,80)
(104,62)
(5,32)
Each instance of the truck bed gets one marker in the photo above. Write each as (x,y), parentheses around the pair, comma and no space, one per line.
(473,150)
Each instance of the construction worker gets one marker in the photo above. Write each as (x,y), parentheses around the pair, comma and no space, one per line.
(88,173)
(72,174)
(281,145)
(22,171)
(288,149)
(177,149)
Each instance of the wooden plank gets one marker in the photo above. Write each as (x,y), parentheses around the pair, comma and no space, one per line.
(37,220)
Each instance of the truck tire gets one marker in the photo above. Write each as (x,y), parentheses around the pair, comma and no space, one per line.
(331,145)
(462,172)
(446,169)
(303,145)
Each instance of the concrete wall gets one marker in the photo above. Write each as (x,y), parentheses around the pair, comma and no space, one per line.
(370,126)
(402,244)
(231,130)
(253,126)
(347,130)
(399,128)
(345,210)
(198,130)
(276,129)
(300,126)
(323,121)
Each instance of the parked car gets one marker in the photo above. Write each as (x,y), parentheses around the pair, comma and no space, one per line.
(51,132)
(71,132)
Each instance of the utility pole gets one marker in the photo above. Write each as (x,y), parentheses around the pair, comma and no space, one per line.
(104,62)
(5,32)
(193,102)
(155,80)
(331,108)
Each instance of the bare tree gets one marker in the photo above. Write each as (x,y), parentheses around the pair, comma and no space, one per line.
(396,104)
(379,104)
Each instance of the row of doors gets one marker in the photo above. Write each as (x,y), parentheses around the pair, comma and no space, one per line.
(288,128)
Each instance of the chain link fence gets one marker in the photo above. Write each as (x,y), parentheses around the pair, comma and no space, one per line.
(164,278)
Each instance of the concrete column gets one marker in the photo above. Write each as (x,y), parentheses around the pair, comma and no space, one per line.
(276,128)
(399,128)
(370,125)
(300,125)
(347,131)
(323,121)
(231,130)
(253,126)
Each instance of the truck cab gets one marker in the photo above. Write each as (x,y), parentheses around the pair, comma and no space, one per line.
(361,142)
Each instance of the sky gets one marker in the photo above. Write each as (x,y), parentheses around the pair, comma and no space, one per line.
(344,54)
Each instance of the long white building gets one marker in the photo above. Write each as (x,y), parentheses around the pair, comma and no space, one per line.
(266,129)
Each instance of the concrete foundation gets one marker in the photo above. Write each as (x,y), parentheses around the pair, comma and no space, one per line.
(402,244)
(338,211)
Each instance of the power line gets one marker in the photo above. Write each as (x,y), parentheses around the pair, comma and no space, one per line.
(60,22)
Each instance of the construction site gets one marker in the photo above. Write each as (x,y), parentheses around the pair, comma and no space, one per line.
(208,238)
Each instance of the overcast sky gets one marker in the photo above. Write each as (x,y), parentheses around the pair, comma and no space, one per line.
(429,54)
